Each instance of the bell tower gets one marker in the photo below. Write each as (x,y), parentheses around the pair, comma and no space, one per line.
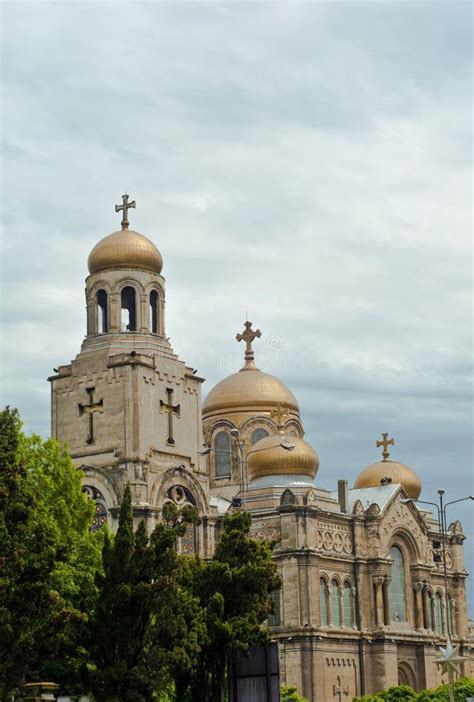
(128,408)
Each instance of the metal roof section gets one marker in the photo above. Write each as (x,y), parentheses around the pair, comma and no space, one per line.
(380,495)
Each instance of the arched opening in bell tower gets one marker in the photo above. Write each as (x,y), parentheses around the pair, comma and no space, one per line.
(128,315)
(154,312)
(102,317)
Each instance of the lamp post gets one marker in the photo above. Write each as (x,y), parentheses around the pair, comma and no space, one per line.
(441,507)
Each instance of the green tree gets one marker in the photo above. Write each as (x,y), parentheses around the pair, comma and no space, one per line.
(145,624)
(233,589)
(290,694)
(48,559)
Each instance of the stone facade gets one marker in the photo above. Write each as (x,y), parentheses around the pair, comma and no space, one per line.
(363,604)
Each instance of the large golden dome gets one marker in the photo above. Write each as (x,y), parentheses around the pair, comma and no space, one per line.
(274,455)
(247,390)
(125,249)
(396,472)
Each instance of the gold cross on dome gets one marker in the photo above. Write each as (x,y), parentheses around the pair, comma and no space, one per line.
(385,443)
(170,410)
(124,207)
(279,415)
(248,335)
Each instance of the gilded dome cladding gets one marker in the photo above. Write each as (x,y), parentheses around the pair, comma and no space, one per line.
(248,389)
(125,249)
(269,457)
(398,473)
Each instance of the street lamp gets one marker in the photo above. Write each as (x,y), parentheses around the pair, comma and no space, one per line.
(441,507)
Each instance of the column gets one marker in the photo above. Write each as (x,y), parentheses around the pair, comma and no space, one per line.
(419,605)
(114,312)
(386,600)
(143,320)
(379,618)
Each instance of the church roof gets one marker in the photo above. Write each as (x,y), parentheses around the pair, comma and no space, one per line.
(380,495)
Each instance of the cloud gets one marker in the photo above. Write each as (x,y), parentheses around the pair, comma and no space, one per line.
(306,162)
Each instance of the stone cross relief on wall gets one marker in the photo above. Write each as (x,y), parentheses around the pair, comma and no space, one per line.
(89,410)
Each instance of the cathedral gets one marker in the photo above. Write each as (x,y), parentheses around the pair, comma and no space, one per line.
(364,603)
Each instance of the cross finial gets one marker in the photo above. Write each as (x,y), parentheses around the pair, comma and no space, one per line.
(385,443)
(248,335)
(125,206)
(280,414)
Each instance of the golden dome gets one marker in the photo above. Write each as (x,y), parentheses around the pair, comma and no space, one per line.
(399,473)
(248,390)
(125,249)
(270,457)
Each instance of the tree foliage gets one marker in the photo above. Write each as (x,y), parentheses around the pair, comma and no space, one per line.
(145,623)
(233,591)
(290,694)
(463,689)
(49,559)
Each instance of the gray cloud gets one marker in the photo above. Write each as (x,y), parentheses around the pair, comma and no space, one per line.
(307,162)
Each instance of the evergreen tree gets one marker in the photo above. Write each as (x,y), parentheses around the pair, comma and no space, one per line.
(234,592)
(145,624)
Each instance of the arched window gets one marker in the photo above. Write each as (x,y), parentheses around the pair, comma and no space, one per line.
(100,515)
(323,602)
(449,615)
(258,434)
(429,608)
(222,454)
(347,604)
(128,310)
(438,614)
(154,312)
(102,317)
(274,619)
(335,601)
(397,587)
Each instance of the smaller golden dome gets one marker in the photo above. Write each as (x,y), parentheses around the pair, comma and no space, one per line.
(125,249)
(396,472)
(270,457)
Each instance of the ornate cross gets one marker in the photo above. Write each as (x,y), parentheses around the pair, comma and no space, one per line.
(170,410)
(385,443)
(125,206)
(280,414)
(340,689)
(248,335)
(89,409)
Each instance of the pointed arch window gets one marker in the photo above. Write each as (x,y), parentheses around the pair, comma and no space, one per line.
(128,309)
(102,316)
(154,312)
(335,604)
(347,604)
(438,614)
(323,602)
(222,454)
(397,587)
(258,434)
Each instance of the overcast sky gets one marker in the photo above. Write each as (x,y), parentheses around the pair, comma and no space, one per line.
(309,163)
